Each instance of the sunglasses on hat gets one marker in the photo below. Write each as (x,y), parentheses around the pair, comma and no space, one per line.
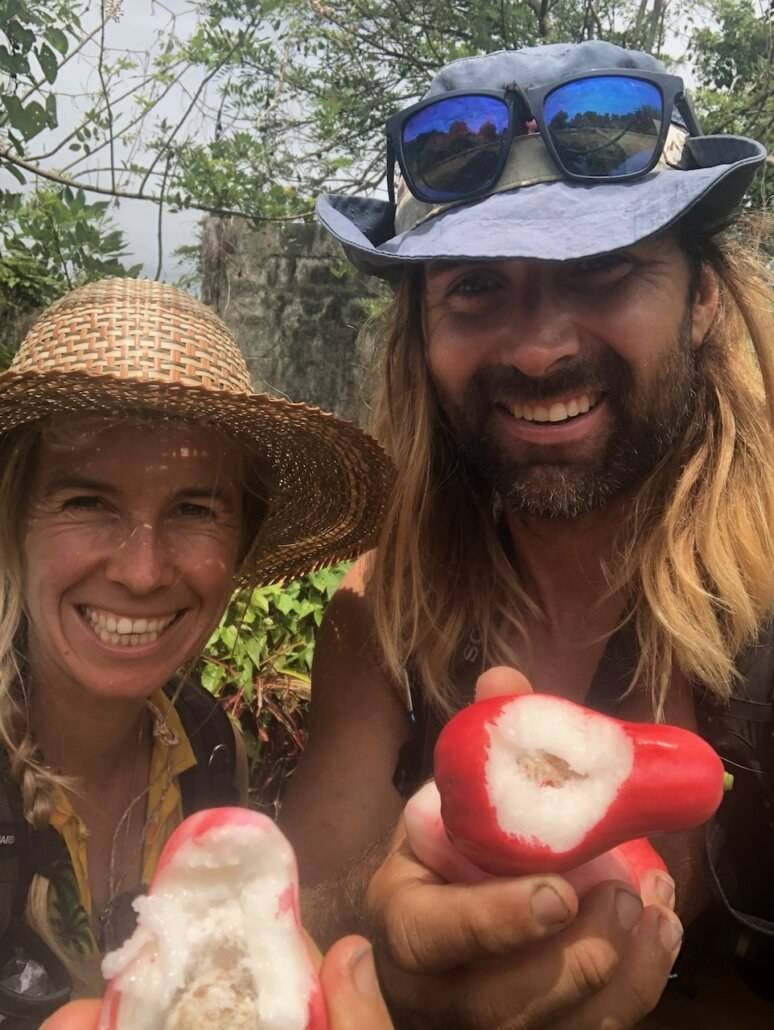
(603,126)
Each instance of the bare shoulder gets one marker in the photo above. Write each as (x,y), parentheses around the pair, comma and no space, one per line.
(341,798)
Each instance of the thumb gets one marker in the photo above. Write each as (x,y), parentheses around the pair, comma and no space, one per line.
(501,679)
(78,1015)
(351,989)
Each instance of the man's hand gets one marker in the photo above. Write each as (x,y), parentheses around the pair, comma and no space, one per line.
(349,985)
(518,952)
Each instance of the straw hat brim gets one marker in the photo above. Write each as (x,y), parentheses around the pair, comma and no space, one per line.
(329,480)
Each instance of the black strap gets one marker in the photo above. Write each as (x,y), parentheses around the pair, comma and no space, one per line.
(209,783)
(14,839)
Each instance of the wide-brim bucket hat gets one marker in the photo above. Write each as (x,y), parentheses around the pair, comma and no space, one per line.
(124,346)
(534,211)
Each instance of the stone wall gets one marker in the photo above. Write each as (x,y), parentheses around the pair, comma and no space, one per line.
(295,305)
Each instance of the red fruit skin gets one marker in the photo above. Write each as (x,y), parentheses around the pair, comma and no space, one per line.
(628,861)
(431,844)
(189,833)
(676,783)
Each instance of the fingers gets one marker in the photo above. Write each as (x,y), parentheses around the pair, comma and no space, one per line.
(598,967)
(501,679)
(434,926)
(351,990)
(78,1015)
(638,980)
(657,888)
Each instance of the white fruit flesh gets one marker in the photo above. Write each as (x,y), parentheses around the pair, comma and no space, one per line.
(552,771)
(217,942)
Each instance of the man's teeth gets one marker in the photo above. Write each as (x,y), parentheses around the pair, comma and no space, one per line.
(118,629)
(556,412)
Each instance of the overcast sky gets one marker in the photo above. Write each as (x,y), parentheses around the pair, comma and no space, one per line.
(136,30)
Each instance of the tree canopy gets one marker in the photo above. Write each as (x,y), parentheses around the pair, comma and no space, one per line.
(252,107)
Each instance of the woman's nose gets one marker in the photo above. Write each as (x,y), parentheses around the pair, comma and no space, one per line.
(142,560)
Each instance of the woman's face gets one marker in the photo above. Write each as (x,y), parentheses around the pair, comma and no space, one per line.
(131,541)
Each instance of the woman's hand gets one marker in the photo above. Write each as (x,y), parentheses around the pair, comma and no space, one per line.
(349,985)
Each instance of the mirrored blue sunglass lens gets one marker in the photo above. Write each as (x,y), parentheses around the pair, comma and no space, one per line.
(605,125)
(453,148)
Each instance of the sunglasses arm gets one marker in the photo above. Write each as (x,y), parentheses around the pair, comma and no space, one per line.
(686,110)
(390,172)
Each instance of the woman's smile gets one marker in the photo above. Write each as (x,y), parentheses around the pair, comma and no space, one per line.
(124,630)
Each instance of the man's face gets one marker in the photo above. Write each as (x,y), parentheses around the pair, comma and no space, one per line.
(565,383)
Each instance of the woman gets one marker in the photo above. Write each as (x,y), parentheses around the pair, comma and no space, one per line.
(141,481)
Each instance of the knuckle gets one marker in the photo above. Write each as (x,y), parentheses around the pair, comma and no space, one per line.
(591,967)
(643,997)
(403,935)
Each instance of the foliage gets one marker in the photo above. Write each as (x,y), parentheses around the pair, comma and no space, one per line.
(280,99)
(734,61)
(71,240)
(258,661)
(50,241)
(34,41)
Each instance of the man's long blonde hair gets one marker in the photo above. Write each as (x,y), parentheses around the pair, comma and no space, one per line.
(695,561)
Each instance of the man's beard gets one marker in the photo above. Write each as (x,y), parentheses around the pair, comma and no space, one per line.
(646,422)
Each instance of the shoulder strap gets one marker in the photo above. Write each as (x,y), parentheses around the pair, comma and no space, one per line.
(14,841)
(210,783)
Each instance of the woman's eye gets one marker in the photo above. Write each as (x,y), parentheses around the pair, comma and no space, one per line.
(191,510)
(84,503)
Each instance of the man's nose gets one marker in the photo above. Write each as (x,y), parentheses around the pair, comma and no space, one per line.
(542,334)
(142,561)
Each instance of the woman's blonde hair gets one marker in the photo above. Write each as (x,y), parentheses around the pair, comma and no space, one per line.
(695,556)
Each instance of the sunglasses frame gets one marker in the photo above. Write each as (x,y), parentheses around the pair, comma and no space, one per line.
(525,103)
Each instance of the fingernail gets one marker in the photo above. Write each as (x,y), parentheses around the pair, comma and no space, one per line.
(628,908)
(364,972)
(664,889)
(671,933)
(548,906)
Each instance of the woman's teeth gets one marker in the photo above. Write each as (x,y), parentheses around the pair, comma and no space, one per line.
(556,412)
(118,629)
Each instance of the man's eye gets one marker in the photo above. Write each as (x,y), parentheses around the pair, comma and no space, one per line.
(607,266)
(473,285)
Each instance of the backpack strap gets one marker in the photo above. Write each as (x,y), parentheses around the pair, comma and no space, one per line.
(209,783)
(24,852)
(15,873)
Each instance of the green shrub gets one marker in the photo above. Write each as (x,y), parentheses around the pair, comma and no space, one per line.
(258,662)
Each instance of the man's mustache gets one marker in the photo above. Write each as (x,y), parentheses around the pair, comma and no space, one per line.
(508,385)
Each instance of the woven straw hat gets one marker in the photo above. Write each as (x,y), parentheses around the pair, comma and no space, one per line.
(128,345)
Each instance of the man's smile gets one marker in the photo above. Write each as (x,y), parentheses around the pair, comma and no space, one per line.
(556,411)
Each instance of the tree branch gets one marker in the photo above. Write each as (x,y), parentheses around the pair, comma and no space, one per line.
(105,191)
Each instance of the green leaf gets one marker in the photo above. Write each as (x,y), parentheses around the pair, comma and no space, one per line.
(48,62)
(228,636)
(255,649)
(17,173)
(57,39)
(212,676)
(21,36)
(51,115)
(28,120)
(13,64)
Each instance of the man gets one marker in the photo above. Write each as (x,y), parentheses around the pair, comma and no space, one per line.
(577,391)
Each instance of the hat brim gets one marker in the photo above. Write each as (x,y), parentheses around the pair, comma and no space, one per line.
(553,221)
(329,479)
